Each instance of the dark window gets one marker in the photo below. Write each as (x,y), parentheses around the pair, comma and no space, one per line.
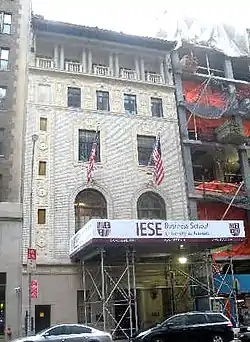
(2,142)
(1,188)
(74,97)
(60,330)
(41,216)
(43,124)
(216,318)
(130,104)
(4,58)
(151,206)
(86,140)
(196,319)
(145,145)
(6,23)
(77,329)
(156,107)
(89,204)
(42,168)
(102,99)
(177,320)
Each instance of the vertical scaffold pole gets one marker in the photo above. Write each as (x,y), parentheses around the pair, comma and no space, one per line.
(234,293)
(84,292)
(129,292)
(135,292)
(208,274)
(103,289)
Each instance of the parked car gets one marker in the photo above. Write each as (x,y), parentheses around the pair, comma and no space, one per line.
(190,327)
(244,333)
(70,333)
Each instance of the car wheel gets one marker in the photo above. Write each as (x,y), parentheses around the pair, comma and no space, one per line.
(218,338)
(157,339)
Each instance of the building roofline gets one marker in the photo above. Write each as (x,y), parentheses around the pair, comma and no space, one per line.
(57,27)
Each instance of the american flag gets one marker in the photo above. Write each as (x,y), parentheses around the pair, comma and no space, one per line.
(92,159)
(158,163)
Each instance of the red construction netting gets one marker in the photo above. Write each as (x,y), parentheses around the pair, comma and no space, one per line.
(219,187)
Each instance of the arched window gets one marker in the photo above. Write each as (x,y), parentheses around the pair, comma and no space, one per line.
(151,206)
(89,204)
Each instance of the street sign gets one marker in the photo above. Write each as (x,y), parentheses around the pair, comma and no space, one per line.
(31,259)
(34,289)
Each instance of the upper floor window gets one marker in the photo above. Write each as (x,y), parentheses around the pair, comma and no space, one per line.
(102,99)
(2,130)
(130,104)
(43,124)
(86,140)
(145,145)
(74,97)
(3,92)
(41,216)
(156,107)
(5,20)
(4,58)
(1,188)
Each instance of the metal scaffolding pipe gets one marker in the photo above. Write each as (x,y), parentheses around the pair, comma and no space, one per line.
(103,290)
(129,293)
(134,290)
(84,292)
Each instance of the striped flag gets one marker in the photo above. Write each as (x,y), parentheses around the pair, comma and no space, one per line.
(92,159)
(158,163)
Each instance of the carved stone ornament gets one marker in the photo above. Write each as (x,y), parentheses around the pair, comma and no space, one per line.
(43,145)
(42,192)
(41,239)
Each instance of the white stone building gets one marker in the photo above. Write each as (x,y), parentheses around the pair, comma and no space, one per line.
(81,78)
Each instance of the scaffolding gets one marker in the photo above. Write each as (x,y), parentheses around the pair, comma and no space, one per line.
(110,290)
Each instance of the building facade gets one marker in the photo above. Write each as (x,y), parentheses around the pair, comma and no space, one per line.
(14,44)
(82,81)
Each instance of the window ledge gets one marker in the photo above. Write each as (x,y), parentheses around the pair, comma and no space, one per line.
(148,169)
(99,165)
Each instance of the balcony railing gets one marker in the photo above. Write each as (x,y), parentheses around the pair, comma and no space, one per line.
(153,77)
(128,74)
(44,63)
(101,70)
(73,67)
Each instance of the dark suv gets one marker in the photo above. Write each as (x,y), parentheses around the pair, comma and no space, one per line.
(190,327)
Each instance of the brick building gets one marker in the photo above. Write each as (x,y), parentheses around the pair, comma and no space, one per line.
(14,44)
(81,78)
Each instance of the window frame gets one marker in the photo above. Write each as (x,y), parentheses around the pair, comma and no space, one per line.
(88,145)
(158,102)
(101,92)
(42,121)
(148,212)
(141,161)
(127,99)
(6,24)
(3,59)
(42,166)
(77,97)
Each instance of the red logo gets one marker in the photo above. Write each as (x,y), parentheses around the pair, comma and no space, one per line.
(234,229)
(104,228)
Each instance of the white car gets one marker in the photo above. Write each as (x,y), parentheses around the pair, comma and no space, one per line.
(70,333)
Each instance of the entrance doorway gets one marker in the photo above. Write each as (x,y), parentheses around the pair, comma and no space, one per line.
(42,317)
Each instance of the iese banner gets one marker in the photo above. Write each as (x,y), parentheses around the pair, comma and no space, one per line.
(136,230)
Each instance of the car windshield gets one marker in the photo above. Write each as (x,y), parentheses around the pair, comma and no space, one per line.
(42,331)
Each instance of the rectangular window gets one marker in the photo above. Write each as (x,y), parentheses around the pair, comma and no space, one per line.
(86,139)
(43,124)
(2,130)
(130,104)
(145,145)
(4,58)
(1,188)
(74,97)
(102,99)
(156,107)
(41,216)
(3,92)
(42,168)
(6,23)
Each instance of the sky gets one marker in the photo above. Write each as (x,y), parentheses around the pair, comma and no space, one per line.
(140,17)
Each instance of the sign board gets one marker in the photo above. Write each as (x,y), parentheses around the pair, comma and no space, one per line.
(34,289)
(31,259)
(155,231)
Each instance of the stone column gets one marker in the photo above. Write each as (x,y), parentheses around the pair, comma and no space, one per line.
(117,71)
(111,69)
(62,57)
(137,68)
(89,61)
(84,61)
(142,69)
(167,66)
(56,56)
(162,70)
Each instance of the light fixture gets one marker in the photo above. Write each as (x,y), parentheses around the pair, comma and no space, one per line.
(182,260)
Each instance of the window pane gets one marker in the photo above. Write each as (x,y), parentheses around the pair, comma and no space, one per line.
(86,140)
(3,91)
(41,216)
(177,321)
(2,130)
(7,18)
(5,54)
(42,168)
(1,188)
(102,98)
(43,124)
(145,145)
(151,206)
(196,319)
(6,28)
(156,107)
(130,104)
(61,330)
(74,97)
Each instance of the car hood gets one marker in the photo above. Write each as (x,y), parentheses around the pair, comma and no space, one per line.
(27,338)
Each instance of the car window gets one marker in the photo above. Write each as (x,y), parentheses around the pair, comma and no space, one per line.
(76,329)
(177,320)
(60,330)
(216,318)
(196,319)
